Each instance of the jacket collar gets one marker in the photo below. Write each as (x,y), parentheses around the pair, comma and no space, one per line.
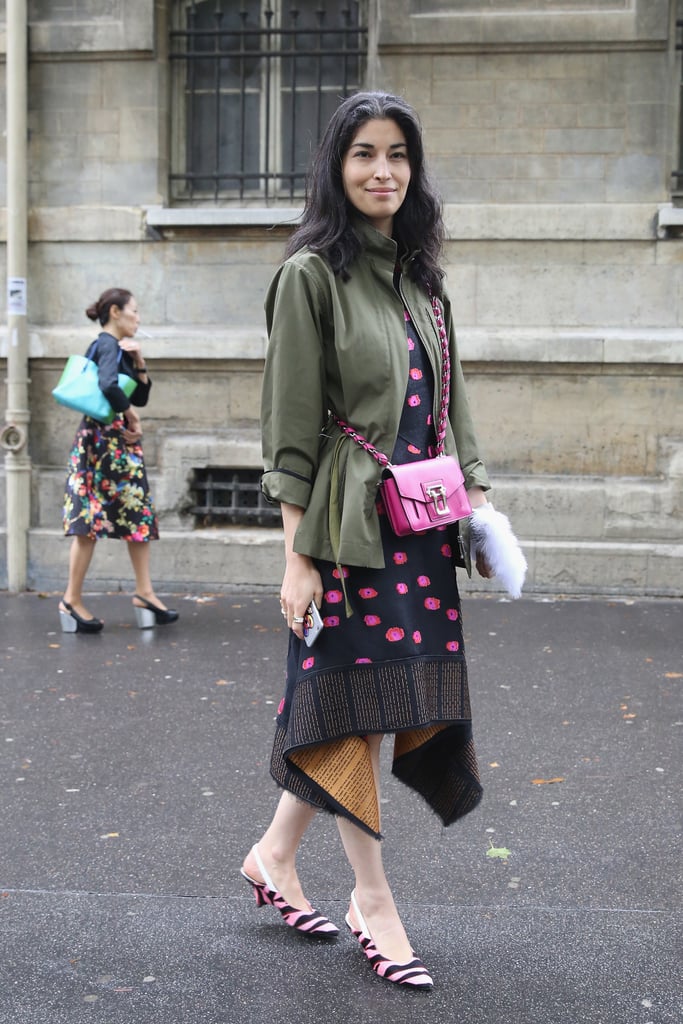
(379,246)
(374,242)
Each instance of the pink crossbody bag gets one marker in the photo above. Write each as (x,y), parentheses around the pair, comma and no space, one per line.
(422,495)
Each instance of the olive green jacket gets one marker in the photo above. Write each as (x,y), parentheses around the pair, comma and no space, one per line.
(341,345)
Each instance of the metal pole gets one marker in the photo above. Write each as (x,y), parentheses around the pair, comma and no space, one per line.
(14,435)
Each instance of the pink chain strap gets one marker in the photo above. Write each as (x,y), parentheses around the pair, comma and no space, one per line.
(445,398)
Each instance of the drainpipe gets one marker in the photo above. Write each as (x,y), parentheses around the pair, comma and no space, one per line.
(14,435)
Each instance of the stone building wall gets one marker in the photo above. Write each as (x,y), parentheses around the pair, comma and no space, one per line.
(551,129)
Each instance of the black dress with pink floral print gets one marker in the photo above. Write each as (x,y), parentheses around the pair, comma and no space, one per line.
(398,660)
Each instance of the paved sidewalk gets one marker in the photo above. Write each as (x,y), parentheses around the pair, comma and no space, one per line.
(134,776)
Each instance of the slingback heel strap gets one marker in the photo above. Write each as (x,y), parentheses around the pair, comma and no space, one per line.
(72,622)
(151,615)
(309,922)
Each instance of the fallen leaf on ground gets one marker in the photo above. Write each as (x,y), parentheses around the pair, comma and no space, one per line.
(498,852)
(547,782)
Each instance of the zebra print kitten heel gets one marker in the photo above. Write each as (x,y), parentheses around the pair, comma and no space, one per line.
(309,922)
(413,973)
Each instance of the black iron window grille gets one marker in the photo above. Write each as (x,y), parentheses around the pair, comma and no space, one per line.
(231,497)
(677,175)
(255,82)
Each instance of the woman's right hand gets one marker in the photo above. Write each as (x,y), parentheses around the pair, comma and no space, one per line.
(301,584)
(132,432)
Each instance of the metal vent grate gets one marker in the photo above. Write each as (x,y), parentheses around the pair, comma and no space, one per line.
(225,496)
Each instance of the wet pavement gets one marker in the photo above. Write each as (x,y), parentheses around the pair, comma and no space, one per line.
(134,777)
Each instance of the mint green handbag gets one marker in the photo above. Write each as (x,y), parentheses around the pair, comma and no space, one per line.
(79,389)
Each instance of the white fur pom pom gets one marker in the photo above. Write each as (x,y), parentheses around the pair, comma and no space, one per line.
(492,536)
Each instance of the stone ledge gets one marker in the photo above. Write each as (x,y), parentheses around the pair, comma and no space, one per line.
(234,557)
(220,216)
(474,222)
(207,343)
(596,509)
(629,346)
(86,224)
(544,344)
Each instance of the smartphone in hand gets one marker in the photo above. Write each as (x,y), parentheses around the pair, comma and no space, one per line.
(313,624)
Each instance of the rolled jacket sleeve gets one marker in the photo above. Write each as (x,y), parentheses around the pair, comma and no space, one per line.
(293,399)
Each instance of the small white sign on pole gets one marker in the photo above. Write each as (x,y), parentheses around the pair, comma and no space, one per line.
(16,296)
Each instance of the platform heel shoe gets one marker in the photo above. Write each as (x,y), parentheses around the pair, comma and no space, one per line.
(72,622)
(151,615)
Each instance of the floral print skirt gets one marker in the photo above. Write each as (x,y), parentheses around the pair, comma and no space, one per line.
(107,493)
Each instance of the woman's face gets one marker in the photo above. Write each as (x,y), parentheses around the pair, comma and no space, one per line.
(126,320)
(376,172)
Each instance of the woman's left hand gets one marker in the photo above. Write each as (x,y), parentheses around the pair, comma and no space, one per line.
(134,349)
(483,567)
(477,498)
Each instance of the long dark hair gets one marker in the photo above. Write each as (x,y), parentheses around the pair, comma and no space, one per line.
(101,309)
(326,226)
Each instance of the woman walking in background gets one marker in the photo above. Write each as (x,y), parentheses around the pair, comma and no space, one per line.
(107,493)
(358,319)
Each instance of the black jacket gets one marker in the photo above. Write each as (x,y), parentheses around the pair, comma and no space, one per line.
(111,361)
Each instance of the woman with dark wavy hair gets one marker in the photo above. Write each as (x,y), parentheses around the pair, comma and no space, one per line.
(356,354)
(327,222)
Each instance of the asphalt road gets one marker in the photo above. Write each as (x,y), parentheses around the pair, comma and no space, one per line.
(133,778)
